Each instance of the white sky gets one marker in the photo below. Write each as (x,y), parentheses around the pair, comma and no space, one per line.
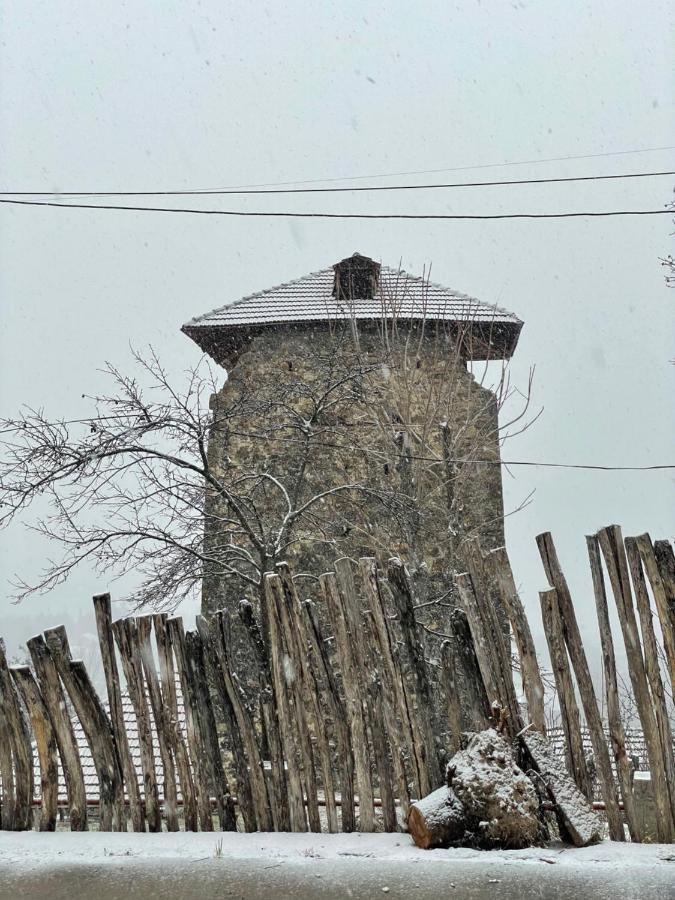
(156,95)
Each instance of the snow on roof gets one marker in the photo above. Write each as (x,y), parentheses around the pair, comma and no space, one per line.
(311,299)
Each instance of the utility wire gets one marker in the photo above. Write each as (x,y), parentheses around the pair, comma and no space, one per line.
(205,192)
(324,215)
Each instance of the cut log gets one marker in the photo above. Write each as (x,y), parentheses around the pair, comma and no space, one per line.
(437,820)
(45,741)
(55,701)
(580,822)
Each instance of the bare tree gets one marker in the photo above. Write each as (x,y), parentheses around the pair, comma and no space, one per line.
(375,448)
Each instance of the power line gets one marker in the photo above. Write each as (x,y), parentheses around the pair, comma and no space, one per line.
(325,215)
(521,162)
(205,192)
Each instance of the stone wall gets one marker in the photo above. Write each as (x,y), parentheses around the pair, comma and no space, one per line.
(393,398)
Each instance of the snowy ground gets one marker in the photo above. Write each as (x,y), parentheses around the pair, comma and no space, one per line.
(107,866)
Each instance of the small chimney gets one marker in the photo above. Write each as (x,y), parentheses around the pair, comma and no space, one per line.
(356,278)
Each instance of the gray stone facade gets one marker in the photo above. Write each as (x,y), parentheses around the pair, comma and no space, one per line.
(406,438)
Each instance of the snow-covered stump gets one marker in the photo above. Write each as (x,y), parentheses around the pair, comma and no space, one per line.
(489,802)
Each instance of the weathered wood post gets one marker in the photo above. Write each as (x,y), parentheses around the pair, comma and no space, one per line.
(8,797)
(96,727)
(533,687)
(611,544)
(125,633)
(167,676)
(45,741)
(102,610)
(569,710)
(161,715)
(18,733)
(55,701)
(617,735)
(665,606)
(582,671)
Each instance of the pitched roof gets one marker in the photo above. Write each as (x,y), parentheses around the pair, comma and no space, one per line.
(311,299)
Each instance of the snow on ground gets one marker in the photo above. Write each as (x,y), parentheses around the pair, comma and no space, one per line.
(33,849)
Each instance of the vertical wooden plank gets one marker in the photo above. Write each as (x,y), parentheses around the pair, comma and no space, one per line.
(533,687)
(665,610)
(382,642)
(624,766)
(96,727)
(412,639)
(297,633)
(126,636)
(281,676)
(8,797)
(20,742)
(344,652)
(55,701)
(339,715)
(651,657)
(160,714)
(569,711)
(377,706)
(220,630)
(268,712)
(167,674)
(611,544)
(449,680)
(496,631)
(102,610)
(474,706)
(577,654)
(45,741)
(176,634)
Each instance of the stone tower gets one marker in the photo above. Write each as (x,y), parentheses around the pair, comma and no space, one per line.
(351,423)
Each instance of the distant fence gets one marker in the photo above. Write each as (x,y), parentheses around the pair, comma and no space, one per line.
(349,720)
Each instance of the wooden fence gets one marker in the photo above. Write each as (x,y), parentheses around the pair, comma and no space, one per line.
(347,709)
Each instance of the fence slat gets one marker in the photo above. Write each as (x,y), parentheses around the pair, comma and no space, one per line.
(449,681)
(474,705)
(167,677)
(126,635)
(208,727)
(55,701)
(19,735)
(370,678)
(7,773)
(611,544)
(401,590)
(103,613)
(533,687)
(665,610)
(45,742)
(310,689)
(268,713)
(624,766)
(176,638)
(651,656)
(339,714)
(357,723)
(569,711)
(96,727)
(162,725)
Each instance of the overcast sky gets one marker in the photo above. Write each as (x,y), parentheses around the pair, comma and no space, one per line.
(162,95)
